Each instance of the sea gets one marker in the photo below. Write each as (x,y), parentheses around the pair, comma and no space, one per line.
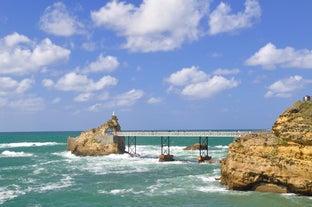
(36,170)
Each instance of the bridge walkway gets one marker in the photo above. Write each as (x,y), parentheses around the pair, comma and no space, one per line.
(165,155)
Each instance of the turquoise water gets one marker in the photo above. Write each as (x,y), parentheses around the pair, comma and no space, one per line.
(36,170)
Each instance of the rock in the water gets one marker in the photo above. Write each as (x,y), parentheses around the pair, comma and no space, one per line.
(274,162)
(196,146)
(97,141)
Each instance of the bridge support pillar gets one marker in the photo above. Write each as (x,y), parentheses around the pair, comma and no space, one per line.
(132,145)
(203,150)
(165,150)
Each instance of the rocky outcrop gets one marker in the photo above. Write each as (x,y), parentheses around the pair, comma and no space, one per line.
(278,161)
(295,124)
(98,141)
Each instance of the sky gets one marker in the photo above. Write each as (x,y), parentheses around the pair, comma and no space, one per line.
(156,64)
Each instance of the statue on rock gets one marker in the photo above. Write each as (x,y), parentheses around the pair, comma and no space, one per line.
(98,141)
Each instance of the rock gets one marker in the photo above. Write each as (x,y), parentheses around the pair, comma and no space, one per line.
(295,124)
(278,161)
(196,146)
(95,142)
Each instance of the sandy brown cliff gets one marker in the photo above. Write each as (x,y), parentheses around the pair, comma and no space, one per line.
(98,141)
(277,161)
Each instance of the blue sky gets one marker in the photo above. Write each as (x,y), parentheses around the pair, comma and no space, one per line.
(158,64)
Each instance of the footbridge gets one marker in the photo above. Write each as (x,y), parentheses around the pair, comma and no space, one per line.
(203,140)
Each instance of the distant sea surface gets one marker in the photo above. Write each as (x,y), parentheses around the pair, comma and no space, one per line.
(36,170)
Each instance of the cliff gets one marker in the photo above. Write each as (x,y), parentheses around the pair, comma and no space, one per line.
(98,141)
(277,161)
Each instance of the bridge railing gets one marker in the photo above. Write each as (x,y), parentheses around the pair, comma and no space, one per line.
(182,133)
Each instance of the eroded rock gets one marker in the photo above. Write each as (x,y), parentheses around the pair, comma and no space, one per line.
(98,141)
(278,161)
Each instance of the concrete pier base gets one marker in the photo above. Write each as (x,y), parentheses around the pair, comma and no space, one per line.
(203,159)
(165,158)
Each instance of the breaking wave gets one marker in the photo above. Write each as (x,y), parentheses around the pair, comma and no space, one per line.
(8,153)
(28,144)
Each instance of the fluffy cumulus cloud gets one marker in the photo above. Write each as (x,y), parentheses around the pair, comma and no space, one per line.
(11,87)
(153,25)
(80,83)
(164,25)
(19,55)
(57,20)
(102,64)
(285,88)
(13,95)
(270,57)
(222,20)
(187,76)
(196,84)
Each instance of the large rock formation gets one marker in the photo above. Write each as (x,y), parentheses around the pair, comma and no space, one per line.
(295,124)
(98,141)
(278,161)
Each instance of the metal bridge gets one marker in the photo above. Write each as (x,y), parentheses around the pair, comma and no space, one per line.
(181,133)
(165,140)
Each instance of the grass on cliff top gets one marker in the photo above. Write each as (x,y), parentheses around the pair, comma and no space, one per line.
(302,109)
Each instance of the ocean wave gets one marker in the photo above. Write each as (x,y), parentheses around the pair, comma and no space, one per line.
(221,146)
(212,188)
(28,144)
(8,153)
(10,192)
(65,182)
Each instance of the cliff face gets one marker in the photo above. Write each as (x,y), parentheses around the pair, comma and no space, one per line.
(295,124)
(275,162)
(96,142)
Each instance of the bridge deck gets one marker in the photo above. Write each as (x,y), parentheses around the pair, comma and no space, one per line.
(181,133)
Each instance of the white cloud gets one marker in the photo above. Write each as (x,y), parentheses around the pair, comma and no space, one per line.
(270,57)
(27,104)
(19,55)
(285,88)
(154,100)
(15,39)
(126,99)
(83,97)
(209,88)
(221,71)
(57,20)
(47,83)
(155,25)
(95,107)
(11,87)
(186,76)
(13,95)
(196,84)
(129,98)
(222,19)
(81,83)
(102,64)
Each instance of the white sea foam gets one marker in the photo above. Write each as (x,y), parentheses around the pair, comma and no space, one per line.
(222,146)
(65,182)
(211,188)
(28,144)
(8,153)
(10,192)
(66,154)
